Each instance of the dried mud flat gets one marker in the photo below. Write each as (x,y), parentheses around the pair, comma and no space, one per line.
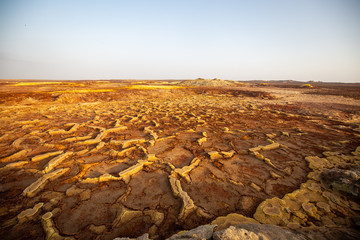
(108,159)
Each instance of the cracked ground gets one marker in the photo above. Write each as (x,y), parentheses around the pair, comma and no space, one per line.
(108,159)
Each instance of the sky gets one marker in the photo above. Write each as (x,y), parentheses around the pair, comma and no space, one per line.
(301,40)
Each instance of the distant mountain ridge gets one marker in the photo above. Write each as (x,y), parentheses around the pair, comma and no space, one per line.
(209,82)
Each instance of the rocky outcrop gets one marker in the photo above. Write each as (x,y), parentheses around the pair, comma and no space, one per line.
(347,181)
(200,233)
(231,219)
(233,233)
(266,232)
(314,201)
(271,232)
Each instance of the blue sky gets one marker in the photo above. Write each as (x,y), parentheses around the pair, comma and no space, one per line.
(180,39)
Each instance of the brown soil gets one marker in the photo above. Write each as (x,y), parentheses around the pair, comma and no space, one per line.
(232,119)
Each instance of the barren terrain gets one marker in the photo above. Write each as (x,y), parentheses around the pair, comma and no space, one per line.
(108,159)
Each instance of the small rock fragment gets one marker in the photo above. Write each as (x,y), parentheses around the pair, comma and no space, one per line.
(28,213)
(274,175)
(271,135)
(311,210)
(285,134)
(39,184)
(17,155)
(85,195)
(45,155)
(200,141)
(324,206)
(13,165)
(214,155)
(256,187)
(73,190)
(97,229)
(55,161)
(228,154)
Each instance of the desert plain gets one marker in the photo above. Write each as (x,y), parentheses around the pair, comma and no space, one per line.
(154,159)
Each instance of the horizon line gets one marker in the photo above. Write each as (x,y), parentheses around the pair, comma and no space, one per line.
(164,79)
